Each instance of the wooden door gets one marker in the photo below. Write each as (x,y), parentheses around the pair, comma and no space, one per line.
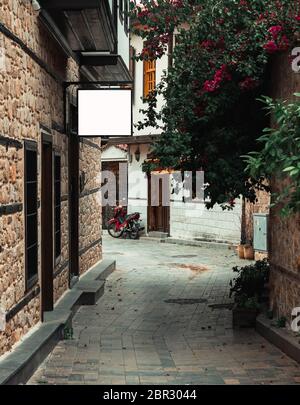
(46,227)
(108,210)
(158,216)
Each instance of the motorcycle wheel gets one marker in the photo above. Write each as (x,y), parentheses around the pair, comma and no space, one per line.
(113,232)
(135,232)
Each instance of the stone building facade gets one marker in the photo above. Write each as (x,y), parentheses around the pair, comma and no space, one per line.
(284,234)
(33,71)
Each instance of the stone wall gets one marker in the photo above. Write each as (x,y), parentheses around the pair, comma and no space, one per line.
(61,281)
(284,233)
(17,327)
(11,181)
(261,206)
(90,211)
(31,98)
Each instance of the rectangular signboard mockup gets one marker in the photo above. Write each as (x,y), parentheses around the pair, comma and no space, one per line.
(105,112)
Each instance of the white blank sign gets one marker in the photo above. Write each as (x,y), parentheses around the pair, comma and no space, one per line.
(104,112)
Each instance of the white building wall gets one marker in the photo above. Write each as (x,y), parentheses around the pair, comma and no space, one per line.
(123,37)
(138,183)
(123,42)
(195,221)
(161,66)
(190,220)
(113,153)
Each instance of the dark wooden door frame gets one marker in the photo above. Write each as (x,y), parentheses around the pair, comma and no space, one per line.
(73,205)
(161,213)
(47,264)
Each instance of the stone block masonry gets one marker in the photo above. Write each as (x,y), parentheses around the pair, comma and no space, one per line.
(284,233)
(31,101)
(261,206)
(11,181)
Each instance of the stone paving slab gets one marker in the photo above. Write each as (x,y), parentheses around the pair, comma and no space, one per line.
(133,336)
(18,365)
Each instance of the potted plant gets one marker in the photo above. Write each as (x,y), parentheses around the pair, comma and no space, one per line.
(240,247)
(245,312)
(240,250)
(248,289)
(248,251)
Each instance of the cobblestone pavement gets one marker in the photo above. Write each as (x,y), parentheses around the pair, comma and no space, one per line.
(155,325)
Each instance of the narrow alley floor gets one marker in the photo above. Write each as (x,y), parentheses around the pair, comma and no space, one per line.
(164,320)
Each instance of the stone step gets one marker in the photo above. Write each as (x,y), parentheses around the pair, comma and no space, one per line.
(201,243)
(92,291)
(283,338)
(159,235)
(18,366)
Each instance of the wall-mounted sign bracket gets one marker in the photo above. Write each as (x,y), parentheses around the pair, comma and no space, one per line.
(87,85)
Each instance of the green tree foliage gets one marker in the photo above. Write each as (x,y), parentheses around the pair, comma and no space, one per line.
(211,117)
(279,157)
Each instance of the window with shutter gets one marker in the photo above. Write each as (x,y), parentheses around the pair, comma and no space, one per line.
(149,77)
(57,207)
(31,214)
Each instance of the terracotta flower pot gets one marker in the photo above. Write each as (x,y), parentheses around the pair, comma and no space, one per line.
(248,252)
(240,251)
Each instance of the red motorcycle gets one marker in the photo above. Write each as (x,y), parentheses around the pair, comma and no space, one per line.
(121,224)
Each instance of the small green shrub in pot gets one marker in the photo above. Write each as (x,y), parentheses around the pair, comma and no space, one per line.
(248,287)
(248,303)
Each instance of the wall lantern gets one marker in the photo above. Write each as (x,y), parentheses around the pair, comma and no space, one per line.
(137,154)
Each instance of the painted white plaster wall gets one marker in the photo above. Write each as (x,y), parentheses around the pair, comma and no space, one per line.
(190,220)
(161,65)
(138,184)
(123,38)
(113,153)
(123,42)
(195,221)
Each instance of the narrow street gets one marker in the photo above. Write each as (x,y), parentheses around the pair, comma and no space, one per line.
(164,319)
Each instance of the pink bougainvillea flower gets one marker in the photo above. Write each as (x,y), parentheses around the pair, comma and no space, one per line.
(177,3)
(284,43)
(207,44)
(210,86)
(275,31)
(271,46)
(143,13)
(221,74)
(248,84)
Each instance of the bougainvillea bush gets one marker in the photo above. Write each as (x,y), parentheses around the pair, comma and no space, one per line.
(211,115)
